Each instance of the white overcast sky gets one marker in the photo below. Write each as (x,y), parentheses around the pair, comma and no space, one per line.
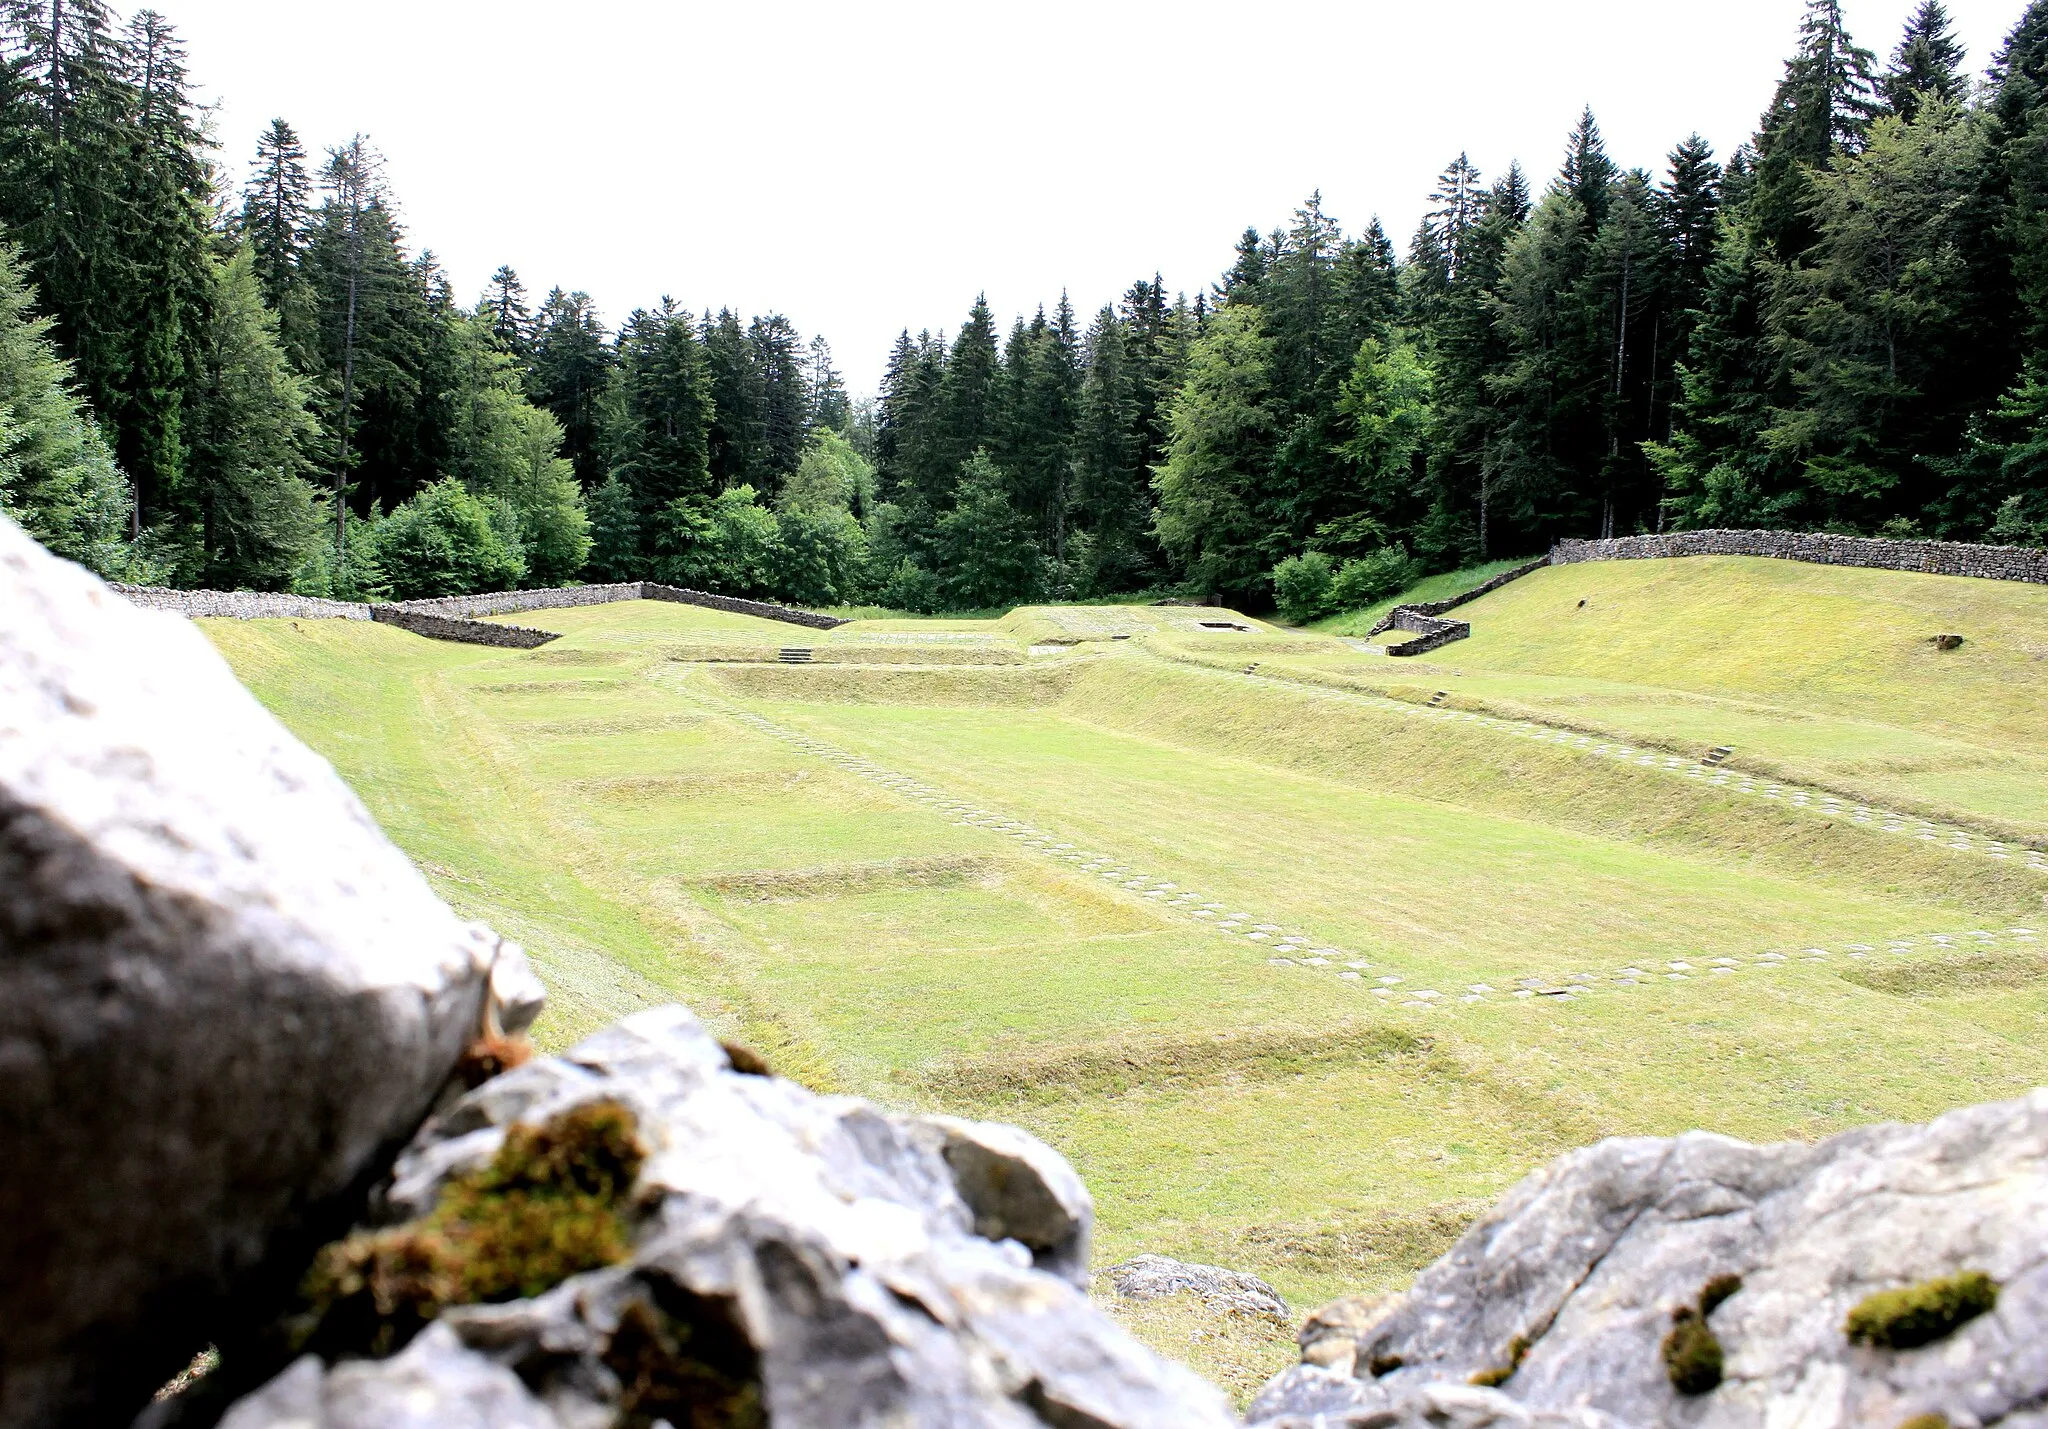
(866,165)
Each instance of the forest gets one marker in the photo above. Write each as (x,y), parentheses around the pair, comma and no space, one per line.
(1842,325)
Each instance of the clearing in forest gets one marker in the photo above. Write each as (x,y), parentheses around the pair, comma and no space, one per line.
(1298,967)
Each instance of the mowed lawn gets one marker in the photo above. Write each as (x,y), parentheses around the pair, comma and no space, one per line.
(615,801)
(1811,672)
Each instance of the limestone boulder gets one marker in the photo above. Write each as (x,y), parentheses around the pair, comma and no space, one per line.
(1561,1302)
(800,1260)
(226,1000)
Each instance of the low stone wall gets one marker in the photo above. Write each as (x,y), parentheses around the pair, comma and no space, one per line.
(651,590)
(466,632)
(1420,618)
(1941,558)
(241,604)
(455,617)
(1435,633)
(511,602)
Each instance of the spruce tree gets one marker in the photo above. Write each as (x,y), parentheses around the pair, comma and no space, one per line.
(569,374)
(276,208)
(1588,175)
(1219,515)
(510,317)
(970,398)
(738,452)
(785,412)
(1928,64)
(661,438)
(829,407)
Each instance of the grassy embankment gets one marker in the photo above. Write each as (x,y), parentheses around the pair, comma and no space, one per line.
(603,800)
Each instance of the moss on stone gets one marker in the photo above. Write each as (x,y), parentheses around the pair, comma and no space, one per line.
(1518,1350)
(690,1371)
(1692,1354)
(1718,1291)
(552,1203)
(1920,1314)
(1926,1421)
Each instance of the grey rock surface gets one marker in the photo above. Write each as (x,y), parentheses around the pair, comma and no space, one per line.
(225,999)
(837,1257)
(1155,1277)
(1588,1259)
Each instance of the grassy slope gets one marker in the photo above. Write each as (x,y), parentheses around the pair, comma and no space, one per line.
(1810,672)
(599,801)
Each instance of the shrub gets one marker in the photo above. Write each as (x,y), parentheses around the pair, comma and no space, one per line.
(1301,587)
(1920,1314)
(444,541)
(552,1203)
(1385,572)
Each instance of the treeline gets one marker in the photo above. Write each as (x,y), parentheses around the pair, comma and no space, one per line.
(1844,326)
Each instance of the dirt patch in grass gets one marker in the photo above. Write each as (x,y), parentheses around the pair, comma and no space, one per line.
(575,657)
(1041,1073)
(837,880)
(625,724)
(551,687)
(1969,972)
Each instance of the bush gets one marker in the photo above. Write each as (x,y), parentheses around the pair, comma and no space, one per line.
(444,541)
(911,587)
(1385,572)
(1302,587)
(1920,1314)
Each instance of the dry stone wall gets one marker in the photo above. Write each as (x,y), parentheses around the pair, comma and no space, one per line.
(457,617)
(242,604)
(1941,558)
(1421,618)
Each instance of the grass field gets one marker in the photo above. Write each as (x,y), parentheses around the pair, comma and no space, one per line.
(1296,969)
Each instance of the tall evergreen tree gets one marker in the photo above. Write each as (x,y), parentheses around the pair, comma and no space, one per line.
(569,373)
(830,408)
(738,436)
(1928,64)
(511,318)
(276,209)
(780,379)
(661,438)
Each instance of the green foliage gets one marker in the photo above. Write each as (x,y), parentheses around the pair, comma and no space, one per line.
(986,544)
(554,1201)
(1215,513)
(251,432)
(446,541)
(1302,587)
(57,477)
(614,533)
(1916,1315)
(831,479)
(1371,578)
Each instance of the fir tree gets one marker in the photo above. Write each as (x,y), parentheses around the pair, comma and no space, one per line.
(569,373)
(511,319)
(275,213)
(1928,64)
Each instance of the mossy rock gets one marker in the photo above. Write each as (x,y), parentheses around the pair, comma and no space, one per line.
(553,1202)
(1498,1375)
(1693,1358)
(1920,1314)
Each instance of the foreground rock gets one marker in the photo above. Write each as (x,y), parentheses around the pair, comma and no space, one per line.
(225,998)
(1567,1293)
(798,1260)
(1156,1277)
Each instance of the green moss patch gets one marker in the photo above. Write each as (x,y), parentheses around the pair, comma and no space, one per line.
(1518,1350)
(1693,1358)
(693,1370)
(552,1203)
(1920,1314)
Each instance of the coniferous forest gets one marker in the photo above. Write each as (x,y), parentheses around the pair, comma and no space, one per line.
(1842,325)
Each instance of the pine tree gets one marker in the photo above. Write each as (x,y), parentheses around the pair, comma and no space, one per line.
(661,438)
(57,477)
(1217,516)
(738,439)
(511,319)
(970,398)
(988,558)
(830,409)
(781,373)
(569,374)
(1112,506)
(1588,175)
(275,213)
(1823,104)
(1928,64)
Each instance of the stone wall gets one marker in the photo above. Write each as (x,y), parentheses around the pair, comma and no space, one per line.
(1941,558)
(455,617)
(242,604)
(510,602)
(465,632)
(651,590)
(1421,618)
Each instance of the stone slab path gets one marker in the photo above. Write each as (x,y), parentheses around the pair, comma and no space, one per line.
(1292,949)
